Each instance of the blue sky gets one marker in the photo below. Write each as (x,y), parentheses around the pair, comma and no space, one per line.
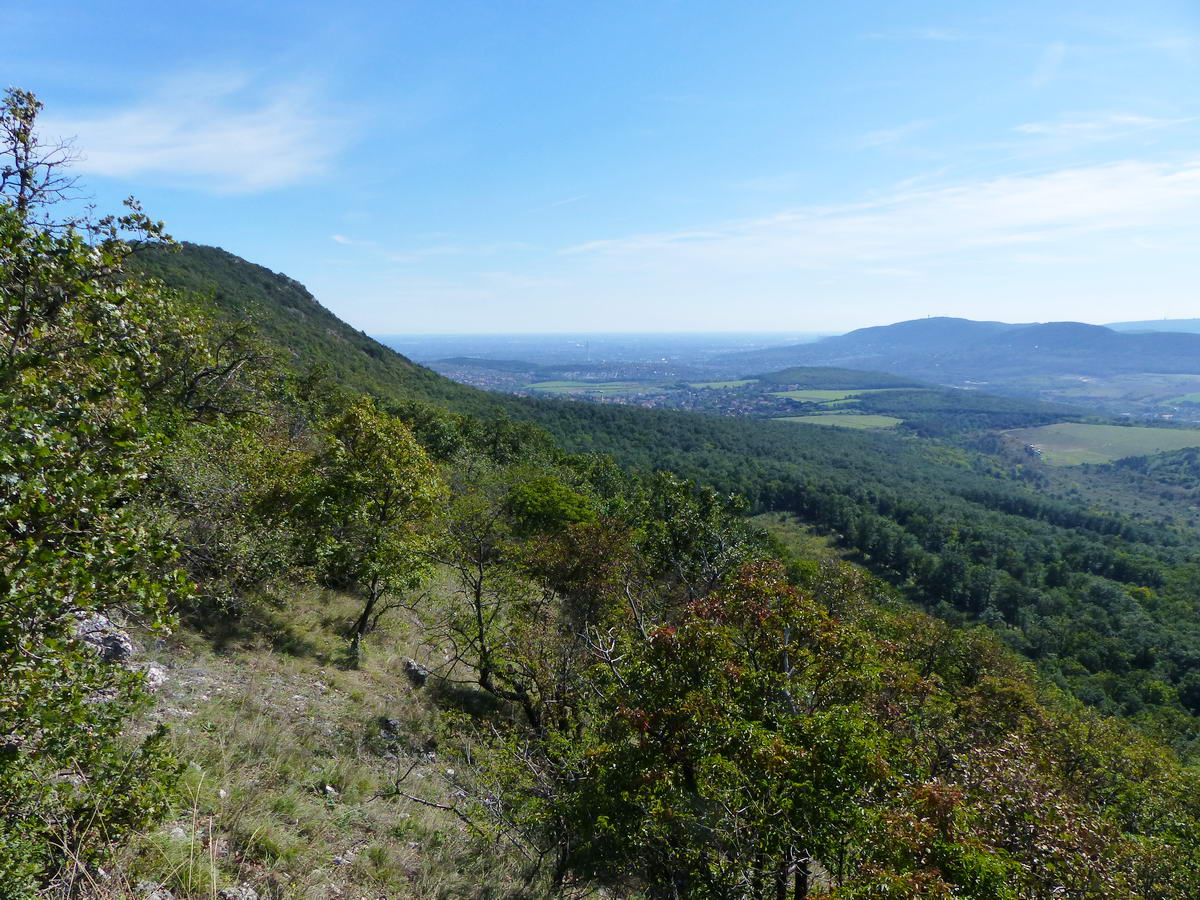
(651,166)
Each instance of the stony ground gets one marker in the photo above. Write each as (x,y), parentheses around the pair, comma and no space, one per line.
(286,756)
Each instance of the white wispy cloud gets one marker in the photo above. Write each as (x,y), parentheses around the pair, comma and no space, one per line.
(419,254)
(893,272)
(557,203)
(341,239)
(784,181)
(945,35)
(1010,211)
(1183,47)
(1096,127)
(222,133)
(884,136)
(1049,64)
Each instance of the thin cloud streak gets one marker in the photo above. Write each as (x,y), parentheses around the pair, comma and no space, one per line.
(1049,64)
(557,203)
(940,35)
(216,133)
(885,136)
(1101,127)
(1010,211)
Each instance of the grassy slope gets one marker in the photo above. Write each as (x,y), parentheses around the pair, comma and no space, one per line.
(289,780)
(1072,443)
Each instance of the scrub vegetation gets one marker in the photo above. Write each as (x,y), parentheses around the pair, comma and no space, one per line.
(284,613)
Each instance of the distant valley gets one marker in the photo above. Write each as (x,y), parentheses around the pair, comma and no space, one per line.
(1123,370)
(1127,372)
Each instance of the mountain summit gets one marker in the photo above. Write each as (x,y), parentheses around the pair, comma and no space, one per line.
(949,350)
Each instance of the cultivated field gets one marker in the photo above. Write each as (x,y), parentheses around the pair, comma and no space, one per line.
(823,396)
(1112,390)
(717,385)
(844,420)
(1071,443)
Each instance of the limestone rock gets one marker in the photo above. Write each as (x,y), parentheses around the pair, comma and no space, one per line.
(416,672)
(156,676)
(110,642)
(152,890)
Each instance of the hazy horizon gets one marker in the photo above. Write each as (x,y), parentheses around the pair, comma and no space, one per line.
(651,165)
(783,333)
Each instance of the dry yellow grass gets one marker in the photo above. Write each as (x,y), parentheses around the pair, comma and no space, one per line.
(285,762)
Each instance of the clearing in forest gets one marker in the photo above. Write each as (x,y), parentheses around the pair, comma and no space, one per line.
(819,396)
(844,420)
(1073,443)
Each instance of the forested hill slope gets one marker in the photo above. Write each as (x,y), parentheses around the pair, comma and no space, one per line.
(949,350)
(290,317)
(1104,603)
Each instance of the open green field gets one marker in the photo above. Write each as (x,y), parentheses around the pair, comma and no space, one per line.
(701,385)
(597,388)
(1071,443)
(1186,398)
(823,396)
(844,420)
(1135,387)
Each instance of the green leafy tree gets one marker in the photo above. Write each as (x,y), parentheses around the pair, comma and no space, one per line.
(223,492)
(737,749)
(77,443)
(495,602)
(367,499)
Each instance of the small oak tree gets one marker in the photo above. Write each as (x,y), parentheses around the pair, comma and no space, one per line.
(366,499)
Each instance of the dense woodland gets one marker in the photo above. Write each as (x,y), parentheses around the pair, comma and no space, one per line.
(637,693)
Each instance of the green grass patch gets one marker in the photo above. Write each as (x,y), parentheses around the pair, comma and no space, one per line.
(716,385)
(593,388)
(824,396)
(1072,443)
(286,769)
(802,540)
(1186,398)
(815,396)
(844,420)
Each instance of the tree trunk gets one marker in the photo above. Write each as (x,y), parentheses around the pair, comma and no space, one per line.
(360,628)
(802,879)
(756,880)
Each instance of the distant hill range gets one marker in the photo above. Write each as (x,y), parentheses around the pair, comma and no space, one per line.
(1189,325)
(962,351)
